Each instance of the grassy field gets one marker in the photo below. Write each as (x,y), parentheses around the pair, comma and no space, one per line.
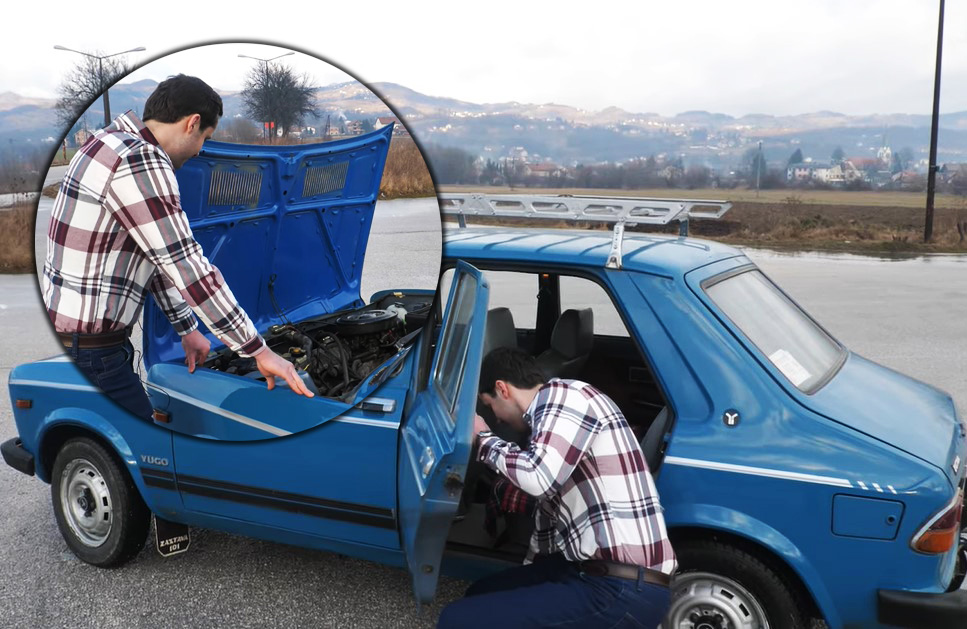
(406,174)
(838,220)
(804,197)
(16,239)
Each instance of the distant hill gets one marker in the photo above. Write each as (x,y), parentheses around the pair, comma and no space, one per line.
(562,133)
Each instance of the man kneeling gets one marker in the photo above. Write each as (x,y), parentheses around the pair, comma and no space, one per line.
(600,554)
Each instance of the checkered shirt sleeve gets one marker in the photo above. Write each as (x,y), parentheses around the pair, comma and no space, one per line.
(117,231)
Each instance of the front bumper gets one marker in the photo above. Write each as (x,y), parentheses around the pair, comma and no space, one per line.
(17,457)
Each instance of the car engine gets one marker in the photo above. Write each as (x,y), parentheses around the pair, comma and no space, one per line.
(334,354)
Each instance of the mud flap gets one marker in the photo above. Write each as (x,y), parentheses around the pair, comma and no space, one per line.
(171,538)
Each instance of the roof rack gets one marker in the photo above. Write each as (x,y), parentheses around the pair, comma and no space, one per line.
(619,211)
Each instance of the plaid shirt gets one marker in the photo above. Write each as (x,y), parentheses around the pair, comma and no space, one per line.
(117,229)
(597,497)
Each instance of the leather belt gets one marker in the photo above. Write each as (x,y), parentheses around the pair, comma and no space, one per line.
(93,341)
(601,568)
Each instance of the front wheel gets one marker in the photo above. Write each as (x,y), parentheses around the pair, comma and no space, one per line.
(723,587)
(98,508)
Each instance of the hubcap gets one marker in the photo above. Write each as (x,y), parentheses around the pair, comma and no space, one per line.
(710,601)
(86,502)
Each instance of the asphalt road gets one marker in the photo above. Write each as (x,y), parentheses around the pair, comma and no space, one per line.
(907,315)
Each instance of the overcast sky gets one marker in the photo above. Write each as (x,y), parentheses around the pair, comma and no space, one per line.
(664,56)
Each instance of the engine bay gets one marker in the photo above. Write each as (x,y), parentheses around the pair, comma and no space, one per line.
(335,353)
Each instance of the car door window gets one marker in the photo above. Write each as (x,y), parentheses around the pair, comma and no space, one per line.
(509,289)
(453,346)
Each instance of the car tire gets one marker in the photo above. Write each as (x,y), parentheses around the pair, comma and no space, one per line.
(726,587)
(99,510)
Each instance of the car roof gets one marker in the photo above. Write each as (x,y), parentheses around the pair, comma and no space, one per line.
(651,253)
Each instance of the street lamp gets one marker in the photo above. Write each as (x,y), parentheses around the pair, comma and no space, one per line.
(266,62)
(100,74)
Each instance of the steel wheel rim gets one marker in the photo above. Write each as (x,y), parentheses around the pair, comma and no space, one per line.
(710,601)
(86,502)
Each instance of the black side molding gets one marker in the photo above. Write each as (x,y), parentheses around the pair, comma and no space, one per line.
(919,609)
(17,457)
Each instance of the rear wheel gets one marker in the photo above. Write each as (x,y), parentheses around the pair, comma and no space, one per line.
(723,587)
(98,508)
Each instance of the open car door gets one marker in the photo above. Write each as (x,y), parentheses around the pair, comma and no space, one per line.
(437,433)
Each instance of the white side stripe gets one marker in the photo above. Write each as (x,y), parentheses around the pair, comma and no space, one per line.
(248,421)
(758,471)
(55,385)
(877,488)
(235,417)
(862,485)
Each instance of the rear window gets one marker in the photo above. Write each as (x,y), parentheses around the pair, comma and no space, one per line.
(798,348)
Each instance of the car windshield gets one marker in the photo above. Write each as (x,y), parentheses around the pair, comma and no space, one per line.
(804,353)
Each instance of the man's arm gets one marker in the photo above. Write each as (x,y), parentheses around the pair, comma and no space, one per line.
(175,309)
(563,431)
(143,196)
(179,314)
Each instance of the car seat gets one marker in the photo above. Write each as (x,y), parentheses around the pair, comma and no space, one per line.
(571,342)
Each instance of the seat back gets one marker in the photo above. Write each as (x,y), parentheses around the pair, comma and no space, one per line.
(571,343)
(500,330)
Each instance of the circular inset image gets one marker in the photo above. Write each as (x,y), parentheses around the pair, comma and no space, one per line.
(245,244)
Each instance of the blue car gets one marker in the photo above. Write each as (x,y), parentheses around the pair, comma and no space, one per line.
(800,481)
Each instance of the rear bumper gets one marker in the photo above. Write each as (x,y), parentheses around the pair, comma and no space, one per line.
(17,457)
(917,609)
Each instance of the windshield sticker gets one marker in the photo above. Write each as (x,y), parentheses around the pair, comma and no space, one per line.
(789,366)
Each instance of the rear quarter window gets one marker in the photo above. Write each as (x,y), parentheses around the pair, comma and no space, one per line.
(795,344)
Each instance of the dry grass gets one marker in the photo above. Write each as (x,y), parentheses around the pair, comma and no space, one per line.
(792,221)
(16,239)
(406,174)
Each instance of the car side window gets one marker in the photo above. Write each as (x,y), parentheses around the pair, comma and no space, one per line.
(455,341)
(578,293)
(509,289)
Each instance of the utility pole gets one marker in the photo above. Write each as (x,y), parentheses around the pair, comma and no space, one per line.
(100,75)
(932,163)
(758,167)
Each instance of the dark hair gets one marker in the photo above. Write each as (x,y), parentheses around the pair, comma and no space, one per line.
(511,365)
(180,96)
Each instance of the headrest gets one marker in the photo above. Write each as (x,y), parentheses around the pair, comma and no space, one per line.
(573,333)
(500,330)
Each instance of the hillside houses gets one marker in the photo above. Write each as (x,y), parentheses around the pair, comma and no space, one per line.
(869,170)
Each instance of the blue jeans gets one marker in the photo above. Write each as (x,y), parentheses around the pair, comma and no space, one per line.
(112,370)
(552,592)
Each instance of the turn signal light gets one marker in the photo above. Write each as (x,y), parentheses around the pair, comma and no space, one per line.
(942,531)
(24,403)
(161,417)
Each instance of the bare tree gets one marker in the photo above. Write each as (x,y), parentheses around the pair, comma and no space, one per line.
(84,84)
(274,93)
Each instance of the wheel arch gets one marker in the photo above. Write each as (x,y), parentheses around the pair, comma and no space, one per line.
(810,590)
(69,423)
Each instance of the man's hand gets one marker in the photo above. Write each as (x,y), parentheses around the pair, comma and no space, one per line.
(271,365)
(479,425)
(196,348)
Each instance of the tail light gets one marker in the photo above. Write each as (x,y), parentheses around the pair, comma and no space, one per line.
(942,531)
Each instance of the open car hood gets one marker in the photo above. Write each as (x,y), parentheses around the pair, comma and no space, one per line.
(286,225)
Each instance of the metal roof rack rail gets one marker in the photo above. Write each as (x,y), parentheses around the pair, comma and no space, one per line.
(619,211)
